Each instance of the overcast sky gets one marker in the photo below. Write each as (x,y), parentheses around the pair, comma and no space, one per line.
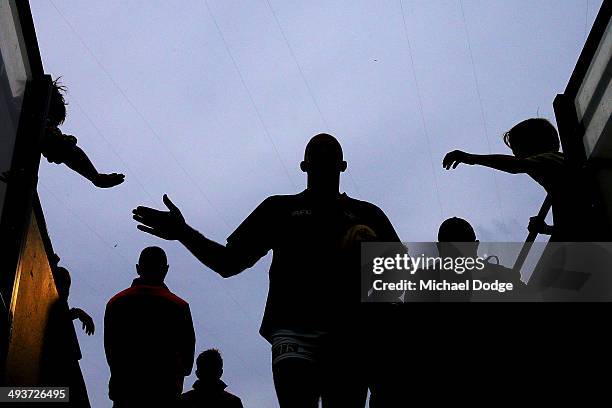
(213,104)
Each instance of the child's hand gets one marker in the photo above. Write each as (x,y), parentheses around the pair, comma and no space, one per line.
(12,176)
(539,226)
(87,321)
(108,180)
(452,159)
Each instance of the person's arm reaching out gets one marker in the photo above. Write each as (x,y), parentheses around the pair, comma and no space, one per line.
(217,257)
(78,161)
(502,162)
(86,320)
(170,225)
(59,148)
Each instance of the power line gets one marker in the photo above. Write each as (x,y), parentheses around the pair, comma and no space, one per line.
(68,208)
(142,117)
(299,67)
(112,148)
(482,113)
(586,20)
(421,110)
(248,92)
(301,71)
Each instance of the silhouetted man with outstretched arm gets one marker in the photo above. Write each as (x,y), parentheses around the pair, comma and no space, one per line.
(148,338)
(311,317)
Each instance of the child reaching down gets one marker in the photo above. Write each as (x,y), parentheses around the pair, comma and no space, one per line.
(535,148)
(60,148)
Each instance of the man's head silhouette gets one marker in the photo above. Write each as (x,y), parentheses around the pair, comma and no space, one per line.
(209,365)
(62,280)
(152,264)
(323,162)
(457,230)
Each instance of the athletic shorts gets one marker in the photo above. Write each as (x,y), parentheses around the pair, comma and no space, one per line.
(295,344)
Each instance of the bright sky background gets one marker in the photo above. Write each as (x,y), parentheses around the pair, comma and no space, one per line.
(213,104)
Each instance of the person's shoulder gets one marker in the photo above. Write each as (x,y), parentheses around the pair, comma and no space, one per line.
(124,293)
(174,298)
(277,202)
(147,291)
(557,158)
(232,398)
(364,206)
(283,198)
(187,396)
(187,399)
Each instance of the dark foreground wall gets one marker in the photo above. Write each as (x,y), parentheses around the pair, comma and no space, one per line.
(33,294)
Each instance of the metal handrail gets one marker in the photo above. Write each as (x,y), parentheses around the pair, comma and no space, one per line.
(522,256)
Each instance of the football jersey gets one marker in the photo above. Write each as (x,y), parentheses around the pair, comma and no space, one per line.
(311,282)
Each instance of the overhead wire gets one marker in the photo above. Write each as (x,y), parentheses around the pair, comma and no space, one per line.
(421,110)
(483,116)
(249,94)
(113,150)
(140,115)
(304,79)
(586,20)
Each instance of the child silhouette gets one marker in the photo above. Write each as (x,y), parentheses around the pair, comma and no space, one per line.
(535,148)
(59,148)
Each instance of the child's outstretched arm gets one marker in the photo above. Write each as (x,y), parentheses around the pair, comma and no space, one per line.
(502,162)
(77,160)
(86,320)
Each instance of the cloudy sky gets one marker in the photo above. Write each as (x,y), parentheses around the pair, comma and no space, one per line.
(213,101)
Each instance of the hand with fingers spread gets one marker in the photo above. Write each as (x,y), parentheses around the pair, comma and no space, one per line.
(86,320)
(454,158)
(164,224)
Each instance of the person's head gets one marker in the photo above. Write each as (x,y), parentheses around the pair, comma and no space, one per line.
(62,279)
(531,137)
(323,160)
(57,105)
(152,264)
(457,230)
(209,365)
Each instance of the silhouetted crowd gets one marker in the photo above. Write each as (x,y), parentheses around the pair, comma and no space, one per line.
(326,345)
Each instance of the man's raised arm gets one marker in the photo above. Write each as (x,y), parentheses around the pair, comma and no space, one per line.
(171,225)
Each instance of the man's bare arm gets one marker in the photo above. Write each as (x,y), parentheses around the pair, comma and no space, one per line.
(217,257)
(171,225)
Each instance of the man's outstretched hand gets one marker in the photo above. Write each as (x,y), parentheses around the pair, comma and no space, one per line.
(454,158)
(164,224)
